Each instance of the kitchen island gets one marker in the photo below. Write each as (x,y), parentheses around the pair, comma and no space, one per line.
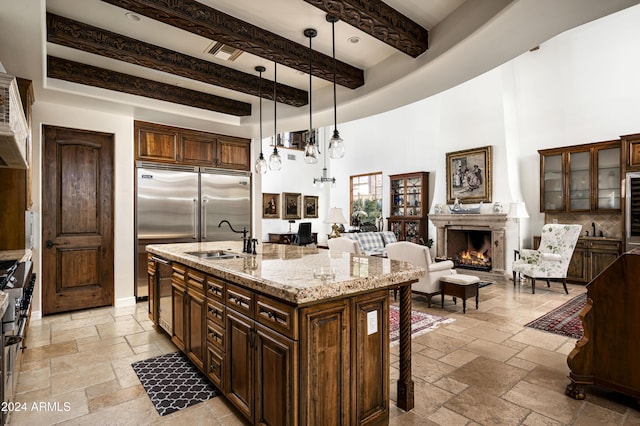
(291,335)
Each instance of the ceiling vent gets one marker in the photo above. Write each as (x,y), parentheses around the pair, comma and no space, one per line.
(223,52)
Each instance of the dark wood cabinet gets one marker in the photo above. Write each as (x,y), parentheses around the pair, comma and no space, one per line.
(631,152)
(581,178)
(590,257)
(409,206)
(278,363)
(159,143)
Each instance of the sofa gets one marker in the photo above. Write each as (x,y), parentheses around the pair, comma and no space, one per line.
(372,243)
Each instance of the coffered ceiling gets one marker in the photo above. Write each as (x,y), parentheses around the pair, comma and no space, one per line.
(195,59)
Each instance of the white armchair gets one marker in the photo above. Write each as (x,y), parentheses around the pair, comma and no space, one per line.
(344,245)
(551,260)
(419,255)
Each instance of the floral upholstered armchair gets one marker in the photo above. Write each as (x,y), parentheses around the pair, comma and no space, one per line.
(551,260)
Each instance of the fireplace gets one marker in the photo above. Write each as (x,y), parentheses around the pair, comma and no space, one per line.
(473,241)
(470,249)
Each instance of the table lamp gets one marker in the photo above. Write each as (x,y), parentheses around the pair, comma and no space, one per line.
(336,216)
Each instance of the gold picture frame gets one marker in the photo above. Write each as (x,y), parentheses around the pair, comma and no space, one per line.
(270,206)
(291,205)
(310,206)
(469,175)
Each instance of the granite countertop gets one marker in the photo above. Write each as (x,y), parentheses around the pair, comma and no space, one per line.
(287,272)
(21,254)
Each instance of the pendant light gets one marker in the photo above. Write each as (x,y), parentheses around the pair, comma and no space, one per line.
(336,144)
(275,161)
(311,149)
(261,164)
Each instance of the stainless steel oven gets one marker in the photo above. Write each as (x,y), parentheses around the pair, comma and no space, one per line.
(17,281)
(632,211)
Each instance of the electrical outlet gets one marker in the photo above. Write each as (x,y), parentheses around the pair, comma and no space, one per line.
(555,221)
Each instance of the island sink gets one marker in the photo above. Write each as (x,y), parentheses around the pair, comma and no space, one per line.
(215,254)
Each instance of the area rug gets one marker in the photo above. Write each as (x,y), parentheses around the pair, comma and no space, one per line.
(563,320)
(173,383)
(420,323)
(484,283)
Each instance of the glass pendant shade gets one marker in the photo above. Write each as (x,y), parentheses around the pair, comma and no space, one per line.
(336,146)
(311,153)
(261,165)
(275,160)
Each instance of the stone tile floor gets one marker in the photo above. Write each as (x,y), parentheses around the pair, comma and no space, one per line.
(484,368)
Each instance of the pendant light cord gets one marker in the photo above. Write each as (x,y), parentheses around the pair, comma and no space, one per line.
(335,113)
(311,138)
(275,104)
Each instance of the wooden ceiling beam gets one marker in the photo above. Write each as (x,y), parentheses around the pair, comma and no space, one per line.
(197,18)
(76,72)
(77,35)
(380,21)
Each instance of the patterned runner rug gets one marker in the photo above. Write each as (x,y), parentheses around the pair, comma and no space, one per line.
(420,323)
(173,383)
(563,320)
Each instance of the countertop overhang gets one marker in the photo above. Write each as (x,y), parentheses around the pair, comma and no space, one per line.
(288,272)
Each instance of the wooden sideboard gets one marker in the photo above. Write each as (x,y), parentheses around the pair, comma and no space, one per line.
(287,237)
(608,353)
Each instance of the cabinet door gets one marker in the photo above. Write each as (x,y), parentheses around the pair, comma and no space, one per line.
(197,150)
(398,197)
(157,144)
(552,176)
(325,364)
(178,294)
(196,328)
(413,197)
(632,152)
(371,365)
(233,154)
(603,254)
(579,181)
(578,271)
(239,361)
(276,384)
(608,181)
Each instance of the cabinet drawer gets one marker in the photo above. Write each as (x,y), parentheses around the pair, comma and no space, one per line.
(195,280)
(179,272)
(215,335)
(215,312)
(215,366)
(239,299)
(277,315)
(215,288)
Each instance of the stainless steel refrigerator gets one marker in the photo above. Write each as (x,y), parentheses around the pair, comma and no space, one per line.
(186,204)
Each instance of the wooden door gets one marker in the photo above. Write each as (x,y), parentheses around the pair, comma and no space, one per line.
(77,220)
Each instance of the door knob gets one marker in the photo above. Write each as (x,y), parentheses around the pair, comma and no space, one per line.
(50,244)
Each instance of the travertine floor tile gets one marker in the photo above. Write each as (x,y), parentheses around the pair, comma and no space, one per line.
(552,404)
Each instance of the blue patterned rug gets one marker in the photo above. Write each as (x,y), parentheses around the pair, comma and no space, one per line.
(173,382)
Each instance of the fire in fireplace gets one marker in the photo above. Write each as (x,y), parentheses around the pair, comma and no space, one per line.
(470,249)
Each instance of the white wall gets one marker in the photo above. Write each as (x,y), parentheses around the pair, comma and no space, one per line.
(579,87)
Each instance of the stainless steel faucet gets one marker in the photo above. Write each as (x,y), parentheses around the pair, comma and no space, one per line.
(246,241)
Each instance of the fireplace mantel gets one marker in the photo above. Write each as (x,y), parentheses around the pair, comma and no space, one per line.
(496,223)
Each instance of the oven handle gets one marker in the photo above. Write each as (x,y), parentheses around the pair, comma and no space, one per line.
(14,339)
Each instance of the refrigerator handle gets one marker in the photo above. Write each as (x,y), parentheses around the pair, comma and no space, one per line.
(204,218)
(195,219)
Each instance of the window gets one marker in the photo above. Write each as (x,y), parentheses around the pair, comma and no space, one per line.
(366,198)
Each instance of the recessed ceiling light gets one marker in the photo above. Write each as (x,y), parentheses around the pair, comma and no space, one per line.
(132,16)
(354,40)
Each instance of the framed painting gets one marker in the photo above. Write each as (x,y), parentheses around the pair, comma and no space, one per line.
(291,205)
(310,206)
(270,206)
(469,175)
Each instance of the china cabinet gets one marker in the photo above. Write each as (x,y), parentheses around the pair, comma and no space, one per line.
(409,206)
(581,178)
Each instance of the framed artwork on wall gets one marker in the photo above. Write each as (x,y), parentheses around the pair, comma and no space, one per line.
(270,206)
(469,175)
(310,206)
(291,205)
